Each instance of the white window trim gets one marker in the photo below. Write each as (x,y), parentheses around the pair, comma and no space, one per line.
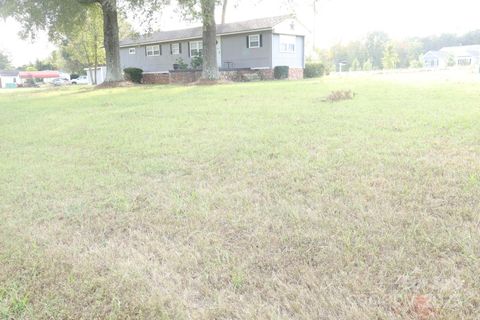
(152,49)
(286,40)
(196,45)
(250,46)
(132,51)
(175,49)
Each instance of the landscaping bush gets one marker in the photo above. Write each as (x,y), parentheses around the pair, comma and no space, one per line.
(314,70)
(281,72)
(180,65)
(133,74)
(197,62)
(367,66)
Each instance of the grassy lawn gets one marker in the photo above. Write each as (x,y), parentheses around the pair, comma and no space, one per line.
(242,201)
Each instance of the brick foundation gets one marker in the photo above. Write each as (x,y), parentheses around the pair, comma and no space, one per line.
(246,75)
(236,75)
(156,78)
(295,73)
(185,76)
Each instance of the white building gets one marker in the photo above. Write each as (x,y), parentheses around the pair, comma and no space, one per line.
(9,79)
(458,56)
(101,74)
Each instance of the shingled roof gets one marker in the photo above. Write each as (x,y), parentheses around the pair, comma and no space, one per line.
(8,73)
(191,33)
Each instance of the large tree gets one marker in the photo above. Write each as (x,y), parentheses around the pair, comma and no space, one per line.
(84,42)
(205,10)
(111,40)
(390,57)
(58,17)
(224,11)
(375,44)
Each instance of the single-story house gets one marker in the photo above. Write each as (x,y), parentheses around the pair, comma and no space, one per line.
(459,56)
(256,44)
(9,79)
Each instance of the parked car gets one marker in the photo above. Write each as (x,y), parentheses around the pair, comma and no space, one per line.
(80,80)
(60,82)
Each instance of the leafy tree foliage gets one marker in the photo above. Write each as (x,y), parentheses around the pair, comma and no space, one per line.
(5,63)
(405,53)
(60,17)
(367,66)
(84,43)
(390,57)
(375,45)
(416,64)
(355,65)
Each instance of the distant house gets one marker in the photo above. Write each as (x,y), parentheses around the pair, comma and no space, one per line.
(257,44)
(459,55)
(9,79)
(435,59)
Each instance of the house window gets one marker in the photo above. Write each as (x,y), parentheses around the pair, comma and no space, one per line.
(196,48)
(464,61)
(254,41)
(131,51)
(153,50)
(175,48)
(287,44)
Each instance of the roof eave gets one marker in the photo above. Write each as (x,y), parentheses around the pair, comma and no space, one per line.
(190,38)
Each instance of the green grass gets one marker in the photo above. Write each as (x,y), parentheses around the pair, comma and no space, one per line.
(242,201)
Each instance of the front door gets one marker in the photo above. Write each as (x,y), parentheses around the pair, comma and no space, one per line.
(219,52)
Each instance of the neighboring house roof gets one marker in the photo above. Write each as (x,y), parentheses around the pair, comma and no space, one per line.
(436,55)
(39,74)
(8,73)
(192,33)
(459,51)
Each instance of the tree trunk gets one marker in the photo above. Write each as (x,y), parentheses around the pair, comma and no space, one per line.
(210,66)
(224,11)
(111,41)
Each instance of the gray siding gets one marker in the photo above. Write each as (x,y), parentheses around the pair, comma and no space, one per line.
(234,49)
(164,62)
(293,60)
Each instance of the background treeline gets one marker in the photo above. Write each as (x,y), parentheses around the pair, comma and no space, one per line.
(378,51)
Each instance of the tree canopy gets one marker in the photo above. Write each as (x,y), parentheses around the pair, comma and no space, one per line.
(5,63)
(60,18)
(378,51)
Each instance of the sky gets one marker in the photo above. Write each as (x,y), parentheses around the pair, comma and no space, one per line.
(336,21)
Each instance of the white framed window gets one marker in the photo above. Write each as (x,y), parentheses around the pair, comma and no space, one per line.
(153,50)
(196,48)
(254,41)
(175,48)
(287,43)
(132,51)
(464,61)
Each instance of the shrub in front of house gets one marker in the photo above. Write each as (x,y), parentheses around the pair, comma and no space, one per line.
(280,72)
(197,62)
(314,70)
(133,74)
(180,65)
